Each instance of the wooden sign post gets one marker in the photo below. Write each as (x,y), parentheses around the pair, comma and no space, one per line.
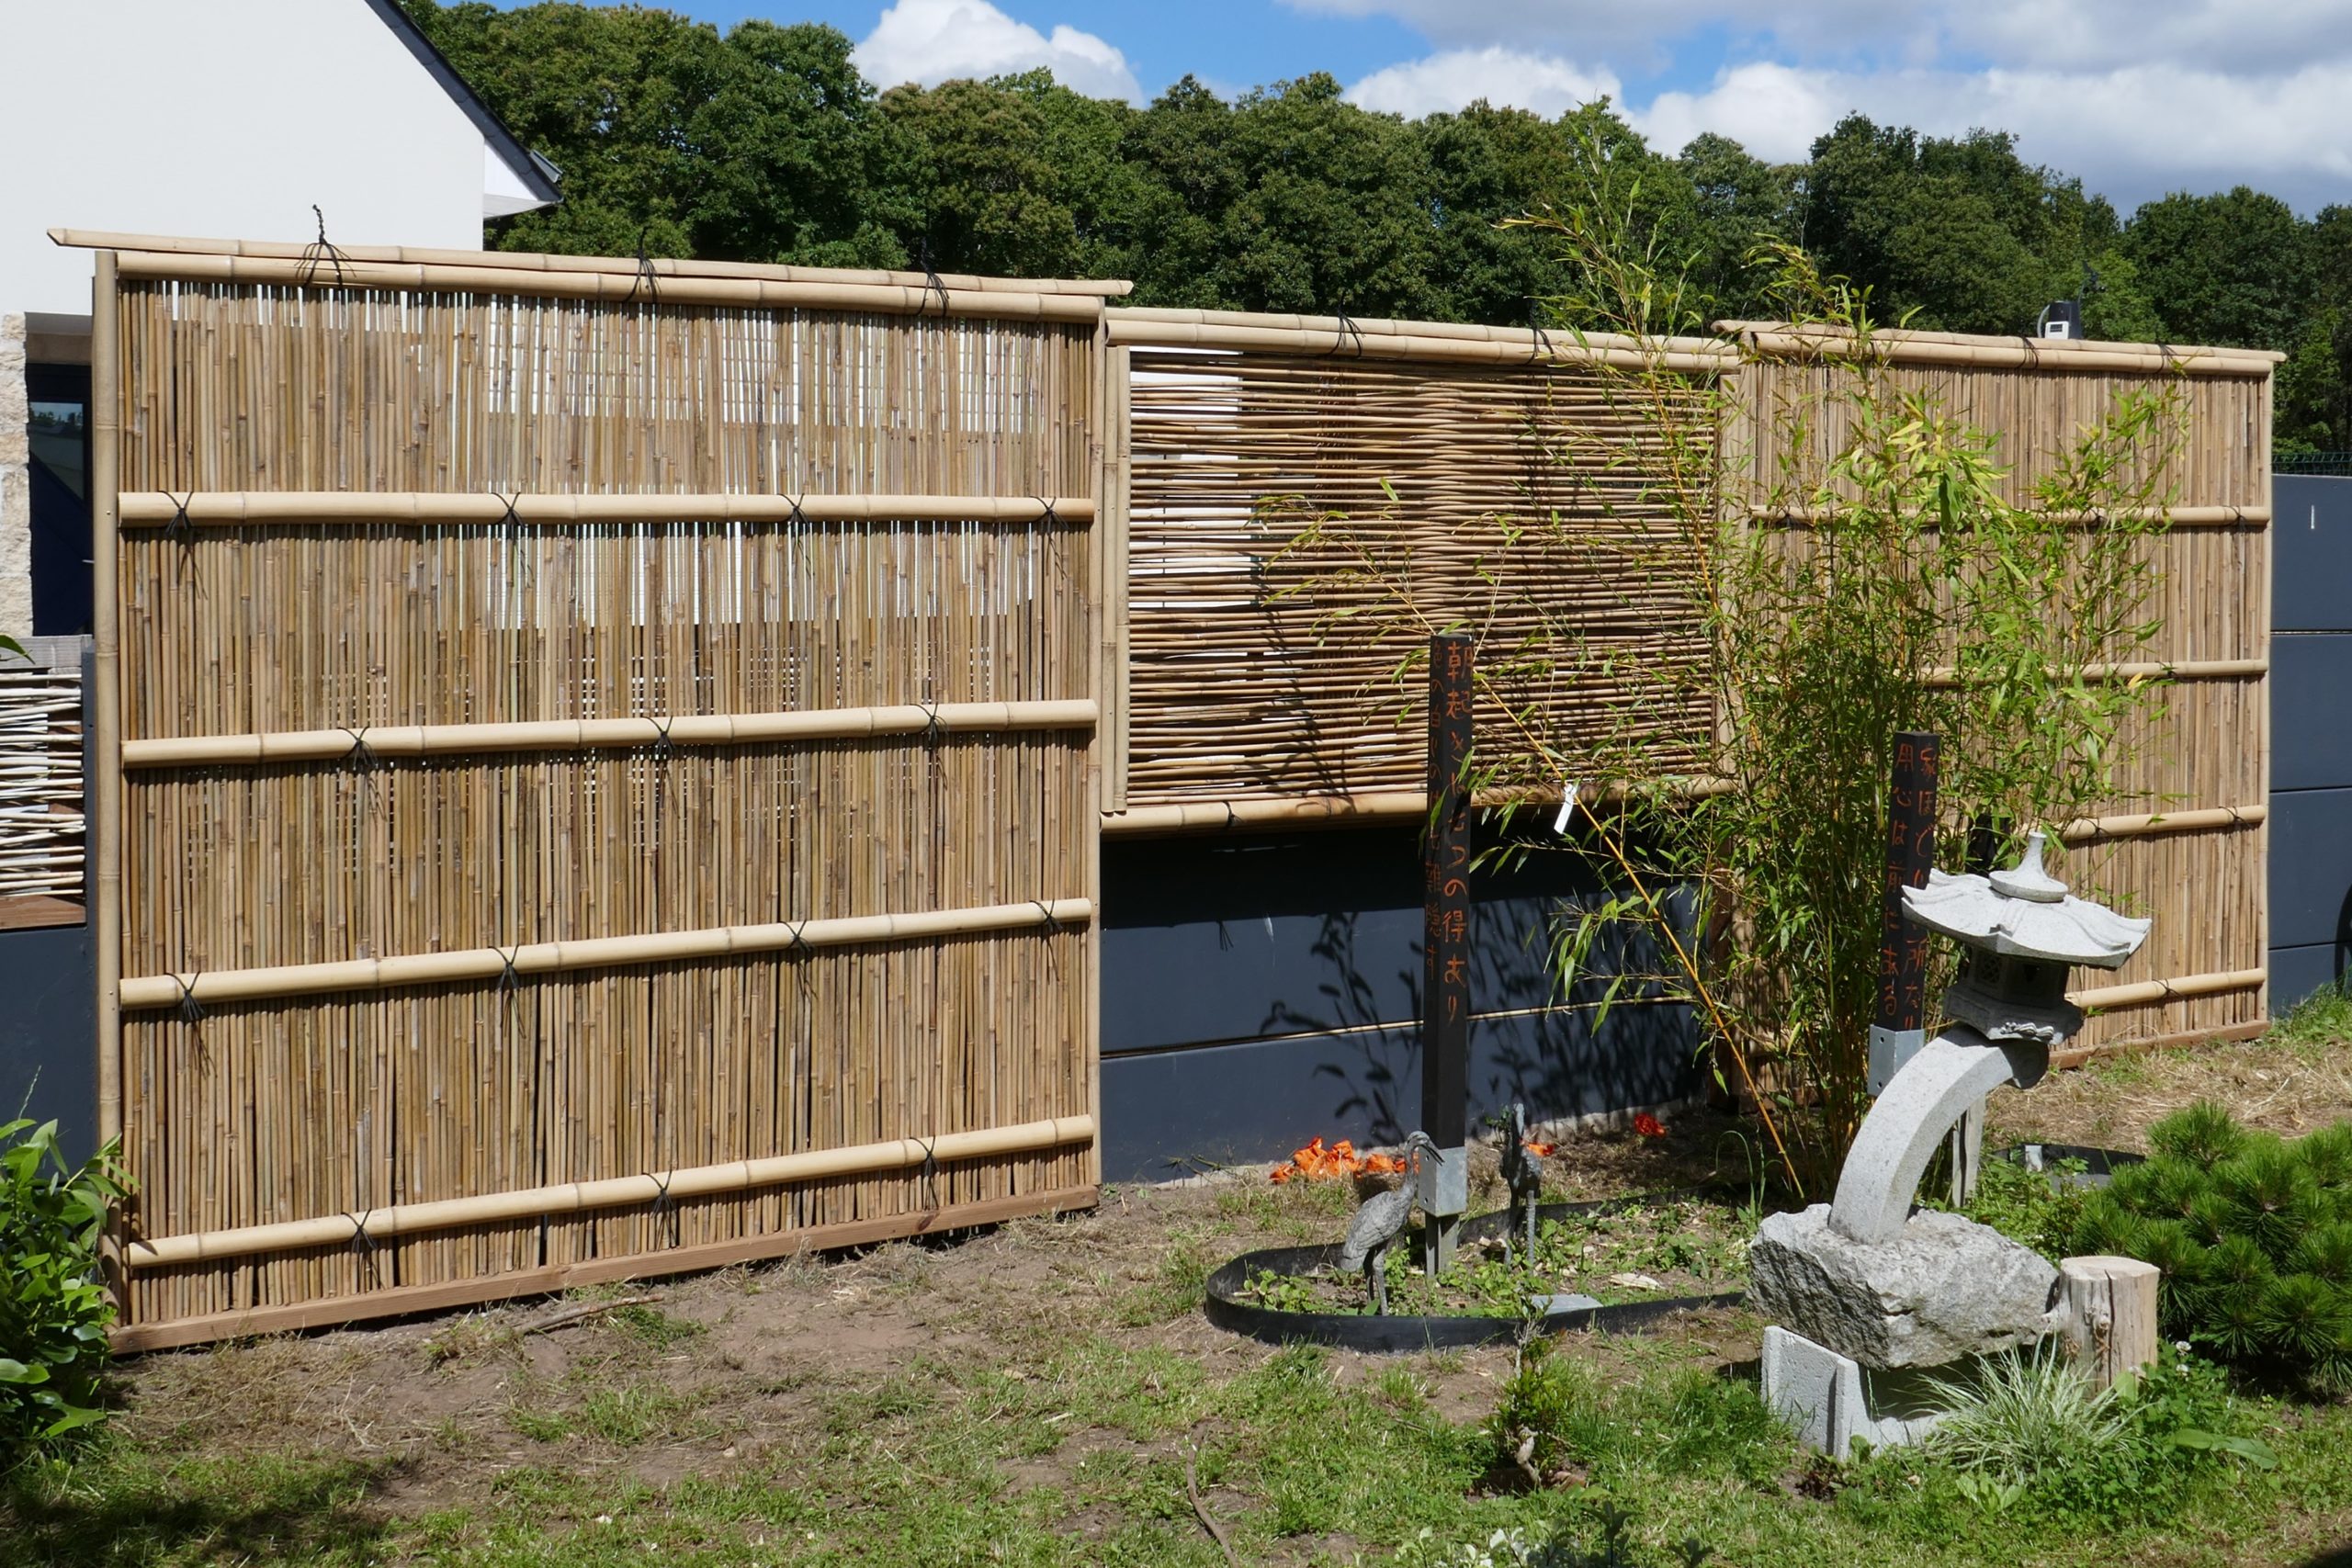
(1444,1186)
(1899,1027)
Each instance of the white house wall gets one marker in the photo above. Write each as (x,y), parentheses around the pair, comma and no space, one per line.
(214,118)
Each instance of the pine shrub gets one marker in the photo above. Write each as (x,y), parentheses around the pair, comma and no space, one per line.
(2254,1233)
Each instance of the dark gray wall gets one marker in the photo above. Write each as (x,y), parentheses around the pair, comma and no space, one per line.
(48,1032)
(2311,741)
(1258,991)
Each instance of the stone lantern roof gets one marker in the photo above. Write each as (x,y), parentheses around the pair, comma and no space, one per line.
(2024,912)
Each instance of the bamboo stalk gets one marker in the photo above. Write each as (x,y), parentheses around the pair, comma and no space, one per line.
(613,287)
(1777,340)
(106,695)
(154,507)
(213,987)
(2086,830)
(662,266)
(1509,346)
(2154,669)
(1178,817)
(586,734)
(2147,991)
(614,1192)
(2173,516)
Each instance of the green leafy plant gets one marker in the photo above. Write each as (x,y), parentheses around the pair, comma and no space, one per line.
(2038,1208)
(2254,1233)
(1729,724)
(54,1310)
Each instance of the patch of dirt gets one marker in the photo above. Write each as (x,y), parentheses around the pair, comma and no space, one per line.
(2286,1089)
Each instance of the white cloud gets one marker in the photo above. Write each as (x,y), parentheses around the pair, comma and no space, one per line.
(1446,82)
(1774,111)
(936,40)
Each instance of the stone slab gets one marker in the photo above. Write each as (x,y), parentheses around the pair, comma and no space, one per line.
(1945,1289)
(1828,1400)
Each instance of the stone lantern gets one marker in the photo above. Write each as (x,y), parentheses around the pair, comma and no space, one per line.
(1860,1288)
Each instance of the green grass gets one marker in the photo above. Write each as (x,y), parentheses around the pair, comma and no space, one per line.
(1306,1465)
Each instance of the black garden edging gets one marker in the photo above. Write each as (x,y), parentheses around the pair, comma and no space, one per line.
(1351,1331)
(2099,1164)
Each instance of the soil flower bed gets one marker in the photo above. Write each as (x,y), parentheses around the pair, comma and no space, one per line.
(1642,1249)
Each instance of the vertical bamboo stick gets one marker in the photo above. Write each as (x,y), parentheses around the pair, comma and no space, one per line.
(105,698)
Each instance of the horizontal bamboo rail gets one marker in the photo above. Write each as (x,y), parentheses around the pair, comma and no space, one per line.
(1776,339)
(1330,338)
(2184,986)
(661,266)
(2172,516)
(400,1301)
(591,953)
(1376,804)
(2152,669)
(581,734)
(2084,829)
(152,508)
(614,1192)
(616,287)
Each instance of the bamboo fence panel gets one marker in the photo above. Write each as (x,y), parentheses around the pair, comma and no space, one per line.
(431,511)
(1243,687)
(40,785)
(2205,750)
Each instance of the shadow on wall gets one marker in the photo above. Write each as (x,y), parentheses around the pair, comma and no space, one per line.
(1260,992)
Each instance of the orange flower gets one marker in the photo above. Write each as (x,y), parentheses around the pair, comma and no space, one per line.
(1648,1126)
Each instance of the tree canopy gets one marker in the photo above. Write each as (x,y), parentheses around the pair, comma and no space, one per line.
(764,143)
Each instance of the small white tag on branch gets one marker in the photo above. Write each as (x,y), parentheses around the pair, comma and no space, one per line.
(1567,807)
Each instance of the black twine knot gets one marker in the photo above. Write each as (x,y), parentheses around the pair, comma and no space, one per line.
(1053,923)
(646,279)
(932,283)
(511,980)
(1047,515)
(664,1207)
(191,1011)
(361,1241)
(797,518)
(321,251)
(930,1174)
(361,756)
(180,527)
(799,942)
(1348,329)
(511,519)
(1536,326)
(661,737)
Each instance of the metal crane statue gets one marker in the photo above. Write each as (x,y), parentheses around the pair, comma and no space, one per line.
(1380,1221)
(1522,1174)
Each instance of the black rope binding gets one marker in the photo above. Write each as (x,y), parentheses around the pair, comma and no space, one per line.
(191,1011)
(930,1174)
(1046,517)
(1054,926)
(321,251)
(180,528)
(660,739)
(361,756)
(797,519)
(664,1209)
(932,282)
(1536,325)
(511,519)
(511,980)
(361,1241)
(799,942)
(646,279)
(1348,329)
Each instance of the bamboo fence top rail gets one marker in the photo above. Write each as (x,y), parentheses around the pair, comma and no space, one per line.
(1779,339)
(585,733)
(661,266)
(610,287)
(612,1193)
(1330,337)
(159,508)
(2254,515)
(594,952)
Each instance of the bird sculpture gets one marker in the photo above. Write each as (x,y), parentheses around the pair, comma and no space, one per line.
(1380,1221)
(1522,1174)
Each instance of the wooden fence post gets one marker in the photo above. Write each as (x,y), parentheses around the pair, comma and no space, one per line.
(2110,1323)
(1445,950)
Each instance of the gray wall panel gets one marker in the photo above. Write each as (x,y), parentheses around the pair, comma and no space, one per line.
(2311,570)
(1258,1100)
(2311,867)
(2311,701)
(2297,971)
(48,1031)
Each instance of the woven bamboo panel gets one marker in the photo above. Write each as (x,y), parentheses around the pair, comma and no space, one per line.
(1236,691)
(40,784)
(2208,746)
(259,1113)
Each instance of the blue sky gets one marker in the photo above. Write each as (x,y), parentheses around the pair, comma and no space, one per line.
(2138,96)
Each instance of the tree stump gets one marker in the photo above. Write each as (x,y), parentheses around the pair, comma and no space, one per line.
(2110,1314)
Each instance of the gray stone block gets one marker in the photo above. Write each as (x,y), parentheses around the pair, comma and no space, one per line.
(1828,1400)
(1945,1289)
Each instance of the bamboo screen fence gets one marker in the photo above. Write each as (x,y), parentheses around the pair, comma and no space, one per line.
(2188,843)
(606,770)
(41,843)
(1249,701)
